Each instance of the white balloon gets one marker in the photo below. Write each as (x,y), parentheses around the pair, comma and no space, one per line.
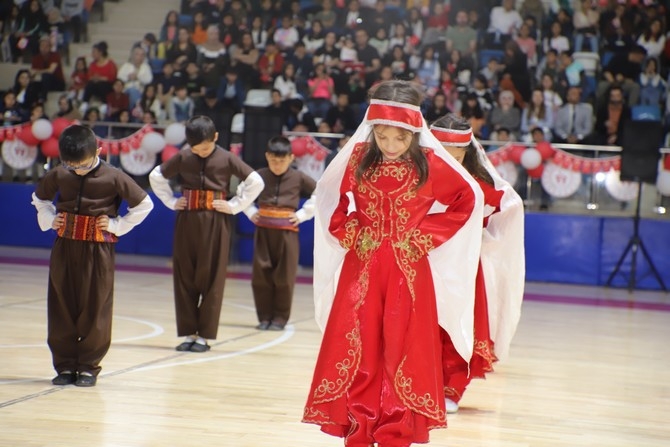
(560,182)
(175,134)
(137,162)
(153,142)
(663,182)
(531,158)
(18,155)
(622,191)
(42,129)
(508,171)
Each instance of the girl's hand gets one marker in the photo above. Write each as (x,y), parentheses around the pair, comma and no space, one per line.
(181,204)
(58,222)
(222,206)
(102,222)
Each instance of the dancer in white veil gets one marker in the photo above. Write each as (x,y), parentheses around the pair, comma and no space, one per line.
(397,241)
(500,279)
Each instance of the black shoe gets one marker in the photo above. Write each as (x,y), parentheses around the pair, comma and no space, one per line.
(276,327)
(199,347)
(186,346)
(84,380)
(263,326)
(64,378)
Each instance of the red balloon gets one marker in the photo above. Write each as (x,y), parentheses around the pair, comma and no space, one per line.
(114,148)
(50,148)
(26,135)
(666,163)
(299,146)
(545,149)
(168,152)
(59,125)
(10,134)
(104,147)
(124,146)
(535,173)
(320,155)
(515,153)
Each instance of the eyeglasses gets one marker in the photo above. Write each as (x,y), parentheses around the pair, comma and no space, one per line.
(88,167)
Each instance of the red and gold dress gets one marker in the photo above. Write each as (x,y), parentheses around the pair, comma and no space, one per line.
(376,378)
(454,368)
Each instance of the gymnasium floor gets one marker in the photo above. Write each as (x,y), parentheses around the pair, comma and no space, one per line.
(588,367)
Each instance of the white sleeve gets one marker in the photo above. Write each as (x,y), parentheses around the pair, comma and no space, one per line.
(144,74)
(123,224)
(161,187)
(250,211)
(124,72)
(307,210)
(46,212)
(247,192)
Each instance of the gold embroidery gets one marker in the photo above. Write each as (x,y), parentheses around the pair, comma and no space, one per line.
(328,390)
(314,416)
(350,234)
(484,349)
(426,404)
(451,392)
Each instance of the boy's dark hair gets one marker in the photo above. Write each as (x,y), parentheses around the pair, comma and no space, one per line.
(200,129)
(77,143)
(504,130)
(537,130)
(279,146)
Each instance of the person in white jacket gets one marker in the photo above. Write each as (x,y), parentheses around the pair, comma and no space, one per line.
(135,74)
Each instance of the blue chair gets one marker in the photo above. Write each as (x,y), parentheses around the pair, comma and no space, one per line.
(485,56)
(645,113)
(606,58)
(185,20)
(156,65)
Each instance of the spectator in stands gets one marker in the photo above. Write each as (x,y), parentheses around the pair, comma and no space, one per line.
(285,83)
(617,28)
(537,114)
(238,11)
(299,115)
(341,116)
(572,72)
(516,66)
(270,64)
(199,33)
(348,53)
(505,114)
(574,121)
(149,117)
(32,24)
(47,69)
(303,68)
(503,24)
(26,91)
(368,55)
(381,43)
(116,100)
(78,79)
(321,91)
(209,106)
(136,75)
(426,69)
(551,97)
(72,12)
(229,32)
(462,37)
(231,92)
(10,28)
(277,105)
(400,37)
(66,109)
(501,137)
(169,29)
(101,73)
(215,10)
(92,117)
(327,16)
(472,111)
(528,45)
(482,92)
(244,58)
(437,107)
(492,73)
(194,82)
(623,69)
(652,86)
(212,57)
(328,54)
(11,110)
(353,17)
(550,66)
(314,38)
(611,118)
(556,40)
(149,45)
(259,34)
(181,105)
(460,69)
(165,84)
(585,21)
(415,27)
(182,50)
(149,102)
(438,19)
(286,36)
(533,8)
(653,39)
(119,132)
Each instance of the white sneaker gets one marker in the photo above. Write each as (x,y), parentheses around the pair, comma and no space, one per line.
(452,407)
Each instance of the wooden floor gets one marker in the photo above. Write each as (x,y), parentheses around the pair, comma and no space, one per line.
(585,374)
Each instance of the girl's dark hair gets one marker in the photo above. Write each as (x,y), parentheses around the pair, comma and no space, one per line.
(200,129)
(402,92)
(77,143)
(471,160)
(102,48)
(543,108)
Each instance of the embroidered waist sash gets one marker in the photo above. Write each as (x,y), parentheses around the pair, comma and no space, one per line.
(200,199)
(276,217)
(84,228)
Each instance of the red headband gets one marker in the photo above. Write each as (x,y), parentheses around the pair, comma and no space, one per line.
(452,137)
(396,114)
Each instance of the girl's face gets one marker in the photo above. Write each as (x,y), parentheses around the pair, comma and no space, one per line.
(381,34)
(63,104)
(80,65)
(317,27)
(118,86)
(651,66)
(538,98)
(330,39)
(257,22)
(524,31)
(124,117)
(439,101)
(386,74)
(289,70)
(198,17)
(93,115)
(547,83)
(24,79)
(183,35)
(150,91)
(457,152)
(393,142)
(556,29)
(172,18)
(655,27)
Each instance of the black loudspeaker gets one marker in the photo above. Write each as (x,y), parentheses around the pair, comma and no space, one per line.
(259,126)
(641,142)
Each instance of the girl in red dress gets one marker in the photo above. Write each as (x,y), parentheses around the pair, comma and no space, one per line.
(496,314)
(392,210)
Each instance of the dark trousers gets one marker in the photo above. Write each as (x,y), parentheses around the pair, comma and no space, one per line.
(200,259)
(79,303)
(275,265)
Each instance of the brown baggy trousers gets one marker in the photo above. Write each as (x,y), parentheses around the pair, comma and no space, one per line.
(79,303)
(200,262)
(274,268)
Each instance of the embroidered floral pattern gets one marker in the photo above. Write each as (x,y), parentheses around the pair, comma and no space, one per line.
(424,404)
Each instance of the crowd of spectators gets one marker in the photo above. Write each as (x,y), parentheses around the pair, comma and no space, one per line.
(517,70)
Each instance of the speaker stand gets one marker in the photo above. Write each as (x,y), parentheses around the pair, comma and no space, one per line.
(635,244)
